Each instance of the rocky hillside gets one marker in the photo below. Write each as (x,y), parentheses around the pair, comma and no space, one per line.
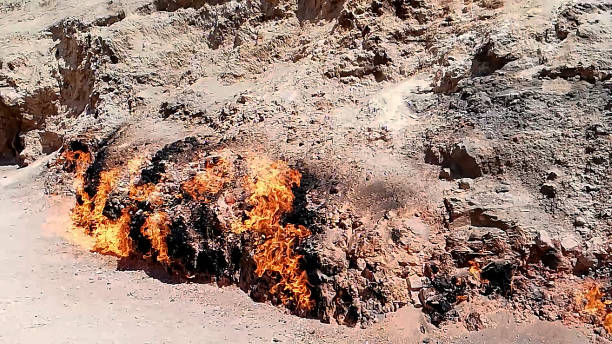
(452,135)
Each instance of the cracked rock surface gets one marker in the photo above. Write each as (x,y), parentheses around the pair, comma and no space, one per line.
(442,134)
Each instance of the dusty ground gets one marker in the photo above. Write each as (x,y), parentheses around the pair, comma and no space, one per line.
(54,291)
(493,117)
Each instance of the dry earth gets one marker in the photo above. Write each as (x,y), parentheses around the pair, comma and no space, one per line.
(55,292)
(437,132)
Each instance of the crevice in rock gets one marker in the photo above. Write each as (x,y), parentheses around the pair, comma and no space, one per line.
(10,126)
(590,74)
(308,10)
(23,137)
(110,19)
(486,61)
(74,65)
(174,5)
(458,158)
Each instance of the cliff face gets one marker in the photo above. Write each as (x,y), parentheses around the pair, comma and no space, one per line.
(457,134)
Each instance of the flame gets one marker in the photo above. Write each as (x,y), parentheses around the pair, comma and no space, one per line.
(111,236)
(271,197)
(595,305)
(276,254)
(156,229)
(209,182)
(475,269)
(269,186)
(593,297)
(80,162)
(140,192)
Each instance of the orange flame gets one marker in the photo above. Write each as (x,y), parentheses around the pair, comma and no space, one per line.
(156,229)
(475,269)
(111,236)
(209,182)
(593,297)
(595,306)
(271,197)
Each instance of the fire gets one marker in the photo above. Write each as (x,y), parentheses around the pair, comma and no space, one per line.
(475,269)
(276,254)
(269,188)
(593,302)
(156,229)
(593,297)
(271,197)
(111,236)
(80,161)
(87,213)
(209,182)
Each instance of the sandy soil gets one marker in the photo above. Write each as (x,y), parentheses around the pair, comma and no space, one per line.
(55,291)
(370,134)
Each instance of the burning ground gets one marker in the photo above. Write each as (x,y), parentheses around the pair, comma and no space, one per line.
(208,211)
(340,160)
(203,223)
(211,213)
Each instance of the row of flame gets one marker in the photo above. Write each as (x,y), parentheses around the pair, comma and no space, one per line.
(269,185)
(591,301)
(596,305)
